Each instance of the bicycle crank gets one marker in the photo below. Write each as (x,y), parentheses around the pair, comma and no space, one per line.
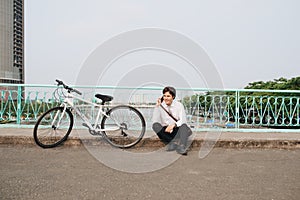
(124,127)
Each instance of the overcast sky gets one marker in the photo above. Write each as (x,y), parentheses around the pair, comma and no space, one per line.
(247,40)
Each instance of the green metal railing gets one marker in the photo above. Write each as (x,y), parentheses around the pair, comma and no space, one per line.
(207,109)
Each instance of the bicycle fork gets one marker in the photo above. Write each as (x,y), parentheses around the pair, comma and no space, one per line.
(55,124)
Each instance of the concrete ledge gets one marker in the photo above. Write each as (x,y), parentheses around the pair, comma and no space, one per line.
(16,140)
(292,144)
(155,142)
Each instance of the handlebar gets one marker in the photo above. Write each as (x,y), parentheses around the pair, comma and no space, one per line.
(59,82)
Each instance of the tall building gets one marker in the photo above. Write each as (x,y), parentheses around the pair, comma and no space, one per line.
(11,41)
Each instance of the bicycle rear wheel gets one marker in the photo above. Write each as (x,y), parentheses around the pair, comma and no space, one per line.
(124,126)
(53,127)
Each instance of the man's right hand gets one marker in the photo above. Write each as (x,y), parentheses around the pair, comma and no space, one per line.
(170,128)
(158,102)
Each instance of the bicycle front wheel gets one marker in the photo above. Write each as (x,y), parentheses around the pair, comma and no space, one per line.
(124,126)
(53,127)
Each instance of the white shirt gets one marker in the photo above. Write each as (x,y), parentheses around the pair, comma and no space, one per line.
(176,109)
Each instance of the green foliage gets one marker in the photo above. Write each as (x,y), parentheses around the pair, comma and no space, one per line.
(248,99)
(276,84)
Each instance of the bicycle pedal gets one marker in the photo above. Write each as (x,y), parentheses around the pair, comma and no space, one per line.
(85,125)
(124,134)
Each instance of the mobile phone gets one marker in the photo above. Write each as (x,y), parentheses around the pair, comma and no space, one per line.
(162,99)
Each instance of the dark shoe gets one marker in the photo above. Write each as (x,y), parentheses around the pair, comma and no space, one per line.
(182,150)
(171,146)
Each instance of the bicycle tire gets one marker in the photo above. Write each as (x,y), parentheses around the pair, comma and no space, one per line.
(133,126)
(47,135)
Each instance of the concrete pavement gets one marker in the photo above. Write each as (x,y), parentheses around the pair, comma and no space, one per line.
(73,173)
(226,139)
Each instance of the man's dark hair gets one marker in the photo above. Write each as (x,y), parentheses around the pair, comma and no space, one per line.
(171,90)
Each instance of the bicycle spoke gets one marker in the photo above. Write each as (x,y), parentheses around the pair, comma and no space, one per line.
(53,127)
(132,126)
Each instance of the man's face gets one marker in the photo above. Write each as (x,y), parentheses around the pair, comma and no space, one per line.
(168,98)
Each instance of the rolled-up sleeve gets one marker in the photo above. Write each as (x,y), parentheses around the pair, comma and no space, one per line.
(182,115)
(156,115)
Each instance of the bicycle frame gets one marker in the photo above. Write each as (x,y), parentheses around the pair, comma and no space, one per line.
(121,126)
(68,103)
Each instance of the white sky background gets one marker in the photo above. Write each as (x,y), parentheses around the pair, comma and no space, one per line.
(248,40)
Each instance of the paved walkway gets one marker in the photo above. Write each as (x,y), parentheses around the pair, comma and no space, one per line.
(220,139)
(74,173)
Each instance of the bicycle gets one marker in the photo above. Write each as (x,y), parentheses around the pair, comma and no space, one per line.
(121,126)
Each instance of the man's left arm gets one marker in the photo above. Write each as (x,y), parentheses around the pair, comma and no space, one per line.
(182,115)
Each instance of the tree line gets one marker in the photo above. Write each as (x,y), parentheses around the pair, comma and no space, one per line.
(276,84)
(259,95)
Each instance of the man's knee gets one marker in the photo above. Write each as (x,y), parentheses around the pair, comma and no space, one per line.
(185,129)
(185,126)
(157,127)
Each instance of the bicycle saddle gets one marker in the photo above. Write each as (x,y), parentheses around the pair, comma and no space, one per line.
(104,98)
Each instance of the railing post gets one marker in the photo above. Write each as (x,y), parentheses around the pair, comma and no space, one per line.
(237,115)
(19,102)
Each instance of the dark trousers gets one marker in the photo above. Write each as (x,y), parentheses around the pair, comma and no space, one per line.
(180,133)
